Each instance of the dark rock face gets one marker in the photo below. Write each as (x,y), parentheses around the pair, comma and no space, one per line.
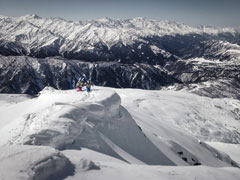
(195,72)
(221,88)
(213,78)
(125,66)
(22,74)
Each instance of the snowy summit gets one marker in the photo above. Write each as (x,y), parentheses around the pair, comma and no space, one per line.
(74,135)
(33,31)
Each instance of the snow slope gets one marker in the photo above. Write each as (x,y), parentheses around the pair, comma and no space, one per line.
(115,133)
(105,169)
(207,119)
(33,162)
(21,163)
(71,120)
(231,149)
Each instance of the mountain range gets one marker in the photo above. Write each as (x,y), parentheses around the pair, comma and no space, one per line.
(185,125)
(135,53)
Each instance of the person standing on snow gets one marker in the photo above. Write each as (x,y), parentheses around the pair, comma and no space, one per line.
(79,85)
(88,86)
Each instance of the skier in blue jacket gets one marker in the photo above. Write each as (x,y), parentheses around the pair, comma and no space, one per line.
(88,86)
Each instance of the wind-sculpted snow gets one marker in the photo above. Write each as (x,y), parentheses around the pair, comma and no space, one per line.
(97,121)
(102,136)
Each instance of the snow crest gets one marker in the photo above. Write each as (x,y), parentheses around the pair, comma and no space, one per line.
(72,120)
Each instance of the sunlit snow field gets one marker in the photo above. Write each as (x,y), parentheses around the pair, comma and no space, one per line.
(119,134)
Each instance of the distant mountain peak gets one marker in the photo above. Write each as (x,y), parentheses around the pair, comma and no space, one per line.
(140,18)
(30,16)
(30,33)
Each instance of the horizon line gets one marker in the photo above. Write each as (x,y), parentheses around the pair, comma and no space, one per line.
(139,17)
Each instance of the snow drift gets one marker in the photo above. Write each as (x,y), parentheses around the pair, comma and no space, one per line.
(97,121)
(33,162)
(114,133)
(71,120)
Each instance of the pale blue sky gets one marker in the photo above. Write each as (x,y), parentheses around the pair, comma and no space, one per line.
(192,12)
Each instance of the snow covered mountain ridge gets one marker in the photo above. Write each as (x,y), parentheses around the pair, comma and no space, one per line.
(110,30)
(135,53)
(33,32)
